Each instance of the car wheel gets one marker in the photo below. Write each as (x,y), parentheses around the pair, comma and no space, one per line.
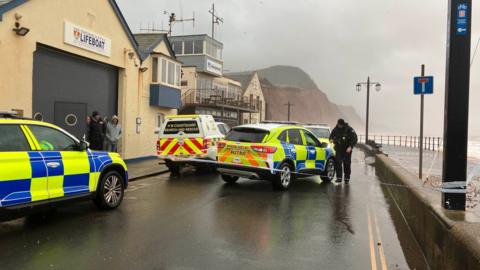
(329,172)
(110,191)
(283,178)
(173,167)
(229,178)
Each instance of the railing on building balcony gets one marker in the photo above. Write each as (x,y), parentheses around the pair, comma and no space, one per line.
(218,98)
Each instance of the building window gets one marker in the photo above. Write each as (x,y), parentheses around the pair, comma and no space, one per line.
(178,75)
(164,71)
(168,73)
(159,118)
(214,50)
(177,47)
(188,47)
(154,69)
(171,73)
(198,47)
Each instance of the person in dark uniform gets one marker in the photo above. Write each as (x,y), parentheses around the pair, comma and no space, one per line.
(344,138)
(96,132)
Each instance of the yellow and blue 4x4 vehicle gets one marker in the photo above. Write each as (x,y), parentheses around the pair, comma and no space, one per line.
(274,152)
(41,164)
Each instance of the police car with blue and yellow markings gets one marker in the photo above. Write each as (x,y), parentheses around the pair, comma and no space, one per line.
(274,152)
(41,164)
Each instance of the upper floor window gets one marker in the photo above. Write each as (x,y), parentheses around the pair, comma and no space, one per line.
(188,47)
(177,47)
(154,69)
(214,50)
(198,47)
(168,72)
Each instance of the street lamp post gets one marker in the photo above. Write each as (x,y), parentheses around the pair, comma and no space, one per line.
(368,83)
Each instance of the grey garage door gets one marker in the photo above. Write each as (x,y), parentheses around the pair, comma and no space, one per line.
(67,88)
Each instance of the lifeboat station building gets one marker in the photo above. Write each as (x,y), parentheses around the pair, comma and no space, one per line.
(63,59)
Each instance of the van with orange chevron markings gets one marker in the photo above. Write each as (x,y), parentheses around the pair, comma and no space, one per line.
(188,139)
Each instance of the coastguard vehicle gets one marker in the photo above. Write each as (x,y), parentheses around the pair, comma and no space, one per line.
(275,152)
(188,139)
(41,165)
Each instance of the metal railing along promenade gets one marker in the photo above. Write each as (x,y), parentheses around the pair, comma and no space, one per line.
(429,143)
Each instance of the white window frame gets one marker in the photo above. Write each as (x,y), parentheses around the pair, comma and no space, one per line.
(158,124)
(177,68)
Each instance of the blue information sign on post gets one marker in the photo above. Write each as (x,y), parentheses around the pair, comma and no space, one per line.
(423,85)
(462,19)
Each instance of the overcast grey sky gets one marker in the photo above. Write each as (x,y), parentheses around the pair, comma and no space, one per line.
(338,43)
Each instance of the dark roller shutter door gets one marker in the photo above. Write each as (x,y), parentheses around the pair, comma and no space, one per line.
(60,78)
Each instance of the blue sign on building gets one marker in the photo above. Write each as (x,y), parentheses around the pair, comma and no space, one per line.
(462,19)
(423,85)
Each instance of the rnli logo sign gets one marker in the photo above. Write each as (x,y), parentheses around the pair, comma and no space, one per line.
(85,39)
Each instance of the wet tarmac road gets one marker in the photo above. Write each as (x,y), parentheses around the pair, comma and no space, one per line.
(198,222)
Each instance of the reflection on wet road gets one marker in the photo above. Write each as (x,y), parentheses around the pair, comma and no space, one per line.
(198,222)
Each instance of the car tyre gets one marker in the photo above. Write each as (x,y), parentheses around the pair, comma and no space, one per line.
(110,191)
(284,177)
(173,167)
(329,174)
(230,179)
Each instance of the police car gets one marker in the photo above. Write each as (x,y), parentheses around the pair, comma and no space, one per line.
(274,152)
(41,164)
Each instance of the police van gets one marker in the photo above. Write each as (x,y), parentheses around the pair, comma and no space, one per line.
(188,139)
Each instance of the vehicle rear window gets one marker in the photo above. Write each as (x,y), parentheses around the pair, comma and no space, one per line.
(12,139)
(187,126)
(320,132)
(249,135)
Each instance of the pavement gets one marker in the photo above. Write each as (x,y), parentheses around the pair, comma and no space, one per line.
(195,221)
(432,171)
(145,168)
(432,160)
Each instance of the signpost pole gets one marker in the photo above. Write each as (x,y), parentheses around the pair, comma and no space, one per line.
(457,84)
(420,155)
(368,108)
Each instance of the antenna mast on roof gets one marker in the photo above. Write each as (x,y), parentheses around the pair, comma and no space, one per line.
(172,18)
(215,19)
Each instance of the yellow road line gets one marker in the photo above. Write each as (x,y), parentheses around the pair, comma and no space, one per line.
(373,259)
(380,244)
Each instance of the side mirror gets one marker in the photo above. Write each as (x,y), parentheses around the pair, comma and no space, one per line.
(157,131)
(83,145)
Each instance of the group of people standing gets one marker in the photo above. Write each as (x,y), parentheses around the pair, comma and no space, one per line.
(103,133)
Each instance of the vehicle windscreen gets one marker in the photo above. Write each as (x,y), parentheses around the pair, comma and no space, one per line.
(249,135)
(320,132)
(185,126)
